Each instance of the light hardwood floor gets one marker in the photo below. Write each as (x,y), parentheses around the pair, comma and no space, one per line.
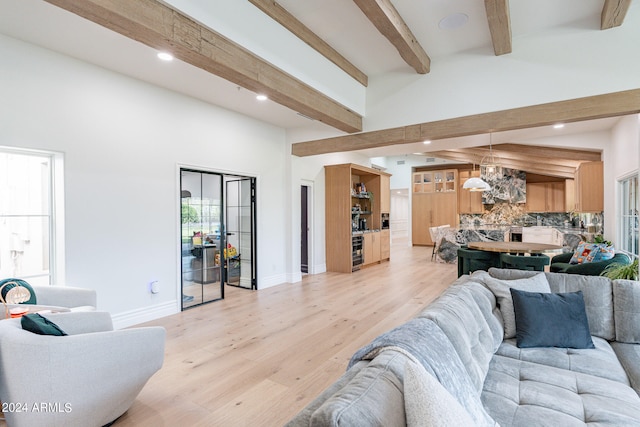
(258,357)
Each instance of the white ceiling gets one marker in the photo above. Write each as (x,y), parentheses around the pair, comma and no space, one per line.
(339,22)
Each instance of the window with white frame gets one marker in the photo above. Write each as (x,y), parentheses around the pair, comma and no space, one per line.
(628,220)
(29,197)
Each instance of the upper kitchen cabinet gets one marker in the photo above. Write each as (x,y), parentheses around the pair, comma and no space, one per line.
(546,197)
(469,202)
(589,187)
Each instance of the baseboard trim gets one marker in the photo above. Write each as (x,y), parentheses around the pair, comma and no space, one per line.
(146,314)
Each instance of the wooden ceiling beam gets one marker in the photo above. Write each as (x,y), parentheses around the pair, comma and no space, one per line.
(574,110)
(384,16)
(613,13)
(291,23)
(161,27)
(550,152)
(532,167)
(510,156)
(499,21)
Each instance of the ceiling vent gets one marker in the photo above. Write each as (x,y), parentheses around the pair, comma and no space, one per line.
(431,159)
(400,162)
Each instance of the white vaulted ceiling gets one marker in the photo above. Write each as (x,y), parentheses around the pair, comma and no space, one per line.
(341,24)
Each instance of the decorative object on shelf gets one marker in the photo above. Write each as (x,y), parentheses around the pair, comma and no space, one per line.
(13,291)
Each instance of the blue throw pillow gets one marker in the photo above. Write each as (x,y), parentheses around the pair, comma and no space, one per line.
(551,320)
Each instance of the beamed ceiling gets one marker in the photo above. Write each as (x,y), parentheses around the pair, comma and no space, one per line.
(366,36)
(557,162)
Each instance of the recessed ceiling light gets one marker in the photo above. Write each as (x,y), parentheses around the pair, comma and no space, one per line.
(261,97)
(558,126)
(165,56)
(453,21)
(426,142)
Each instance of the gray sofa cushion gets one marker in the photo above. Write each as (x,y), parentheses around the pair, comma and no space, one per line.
(598,299)
(500,289)
(626,297)
(373,397)
(465,314)
(428,344)
(601,361)
(597,292)
(522,393)
(303,418)
(629,356)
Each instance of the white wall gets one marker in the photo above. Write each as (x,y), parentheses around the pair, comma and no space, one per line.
(621,159)
(543,67)
(123,141)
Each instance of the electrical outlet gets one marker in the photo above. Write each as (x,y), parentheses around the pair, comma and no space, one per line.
(154,288)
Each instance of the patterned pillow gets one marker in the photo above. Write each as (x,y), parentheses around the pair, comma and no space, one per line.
(592,252)
(585,252)
(605,253)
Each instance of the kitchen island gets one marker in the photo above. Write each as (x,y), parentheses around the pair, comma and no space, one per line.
(455,237)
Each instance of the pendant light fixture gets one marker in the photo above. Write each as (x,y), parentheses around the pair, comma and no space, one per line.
(490,169)
(475,183)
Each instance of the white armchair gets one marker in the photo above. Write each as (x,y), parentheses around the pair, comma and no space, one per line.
(52,297)
(88,378)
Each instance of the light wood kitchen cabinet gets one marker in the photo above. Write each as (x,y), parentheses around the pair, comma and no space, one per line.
(469,202)
(385,196)
(385,244)
(344,204)
(546,197)
(372,246)
(589,188)
(434,202)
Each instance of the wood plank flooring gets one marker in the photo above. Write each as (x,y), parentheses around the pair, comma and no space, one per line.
(258,357)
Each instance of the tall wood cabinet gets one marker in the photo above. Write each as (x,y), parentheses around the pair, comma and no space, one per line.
(589,187)
(434,202)
(346,203)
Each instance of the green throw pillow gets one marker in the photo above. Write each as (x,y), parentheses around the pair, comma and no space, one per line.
(40,325)
(17,282)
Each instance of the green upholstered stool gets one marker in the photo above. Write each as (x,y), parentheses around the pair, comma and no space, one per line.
(470,260)
(520,262)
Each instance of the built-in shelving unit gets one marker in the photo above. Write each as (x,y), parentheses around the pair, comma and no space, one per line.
(356,198)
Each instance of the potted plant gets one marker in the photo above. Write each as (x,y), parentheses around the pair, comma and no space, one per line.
(621,271)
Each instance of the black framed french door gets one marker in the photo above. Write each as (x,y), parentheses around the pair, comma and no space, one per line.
(240,229)
(202,237)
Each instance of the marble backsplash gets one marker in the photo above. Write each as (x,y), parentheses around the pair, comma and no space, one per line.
(514,214)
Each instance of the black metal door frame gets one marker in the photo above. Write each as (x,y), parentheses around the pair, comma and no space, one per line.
(222,237)
(253,264)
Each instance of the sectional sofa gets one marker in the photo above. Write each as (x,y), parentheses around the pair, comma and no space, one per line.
(478,356)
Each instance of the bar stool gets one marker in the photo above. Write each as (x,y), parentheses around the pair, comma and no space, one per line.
(519,262)
(470,260)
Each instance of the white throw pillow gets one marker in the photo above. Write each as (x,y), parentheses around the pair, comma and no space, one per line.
(428,404)
(500,289)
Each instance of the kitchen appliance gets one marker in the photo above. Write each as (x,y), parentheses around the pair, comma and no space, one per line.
(385,221)
(515,234)
(357,255)
(363,224)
